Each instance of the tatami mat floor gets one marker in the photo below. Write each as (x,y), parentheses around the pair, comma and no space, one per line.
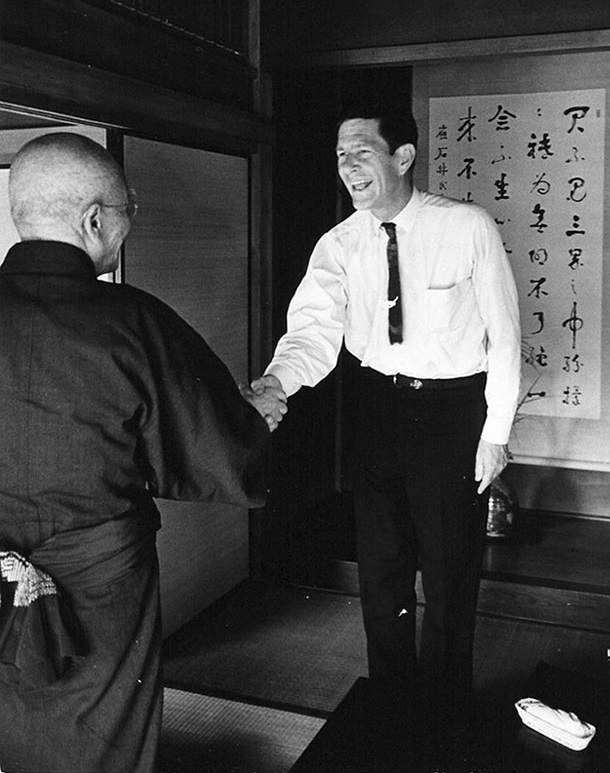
(204,734)
(284,645)
(267,664)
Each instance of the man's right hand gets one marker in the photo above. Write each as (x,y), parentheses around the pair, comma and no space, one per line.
(268,397)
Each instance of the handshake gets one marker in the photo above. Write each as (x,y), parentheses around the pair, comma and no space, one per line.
(268,397)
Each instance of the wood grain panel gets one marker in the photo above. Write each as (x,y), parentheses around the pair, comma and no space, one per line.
(189,246)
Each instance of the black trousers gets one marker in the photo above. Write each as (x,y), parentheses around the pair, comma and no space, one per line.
(416,508)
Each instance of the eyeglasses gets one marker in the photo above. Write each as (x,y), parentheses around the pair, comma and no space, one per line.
(130,206)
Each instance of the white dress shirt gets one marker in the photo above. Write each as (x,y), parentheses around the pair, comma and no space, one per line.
(459,304)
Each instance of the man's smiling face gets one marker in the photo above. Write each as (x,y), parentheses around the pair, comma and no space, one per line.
(374,177)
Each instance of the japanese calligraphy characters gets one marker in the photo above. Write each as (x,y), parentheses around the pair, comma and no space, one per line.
(536,163)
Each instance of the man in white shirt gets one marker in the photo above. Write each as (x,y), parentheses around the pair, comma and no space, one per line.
(438,395)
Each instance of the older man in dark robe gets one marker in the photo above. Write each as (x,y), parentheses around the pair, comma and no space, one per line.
(108,399)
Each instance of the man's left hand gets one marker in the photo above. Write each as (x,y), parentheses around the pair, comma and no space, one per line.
(491,459)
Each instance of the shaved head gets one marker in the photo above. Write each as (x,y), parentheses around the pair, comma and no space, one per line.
(55,177)
(65,187)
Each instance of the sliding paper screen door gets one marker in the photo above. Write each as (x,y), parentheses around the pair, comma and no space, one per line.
(189,247)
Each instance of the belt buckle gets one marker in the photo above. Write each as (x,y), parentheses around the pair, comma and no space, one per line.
(411,383)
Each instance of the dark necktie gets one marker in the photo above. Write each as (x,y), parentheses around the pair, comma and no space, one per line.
(394,303)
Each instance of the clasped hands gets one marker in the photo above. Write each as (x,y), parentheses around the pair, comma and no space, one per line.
(268,397)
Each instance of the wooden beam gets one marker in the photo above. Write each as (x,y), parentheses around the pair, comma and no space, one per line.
(534,601)
(115,39)
(595,40)
(58,88)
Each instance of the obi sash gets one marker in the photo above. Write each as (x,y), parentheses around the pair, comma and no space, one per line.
(40,637)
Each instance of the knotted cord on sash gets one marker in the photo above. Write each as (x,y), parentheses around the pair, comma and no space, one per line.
(32,583)
(40,635)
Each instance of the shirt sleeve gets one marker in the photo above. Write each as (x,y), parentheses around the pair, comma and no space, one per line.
(496,294)
(309,349)
(201,441)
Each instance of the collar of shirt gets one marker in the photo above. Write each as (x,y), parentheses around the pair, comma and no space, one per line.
(405,219)
(48,257)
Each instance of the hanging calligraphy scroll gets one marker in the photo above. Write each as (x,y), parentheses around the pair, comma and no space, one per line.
(535,162)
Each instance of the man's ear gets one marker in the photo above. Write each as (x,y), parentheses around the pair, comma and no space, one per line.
(405,154)
(91,221)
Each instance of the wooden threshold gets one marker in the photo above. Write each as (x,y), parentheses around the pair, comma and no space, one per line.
(523,599)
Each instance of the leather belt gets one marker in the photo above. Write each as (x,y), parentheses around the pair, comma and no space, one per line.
(399,381)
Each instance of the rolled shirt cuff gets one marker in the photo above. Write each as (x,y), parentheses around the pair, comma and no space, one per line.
(497,430)
(289,383)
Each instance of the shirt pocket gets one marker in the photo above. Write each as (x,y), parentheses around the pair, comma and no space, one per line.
(449,308)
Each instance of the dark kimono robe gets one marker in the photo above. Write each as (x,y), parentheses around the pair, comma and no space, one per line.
(107,399)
